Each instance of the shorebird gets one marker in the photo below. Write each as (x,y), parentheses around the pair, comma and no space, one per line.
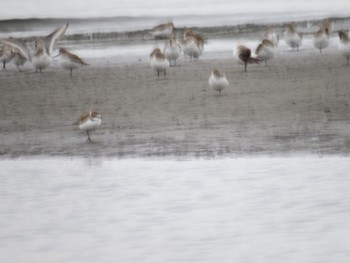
(40,56)
(88,122)
(158,61)
(44,48)
(292,37)
(244,54)
(321,37)
(218,80)
(20,53)
(18,58)
(69,60)
(271,35)
(192,47)
(193,43)
(172,50)
(5,55)
(265,51)
(344,45)
(163,30)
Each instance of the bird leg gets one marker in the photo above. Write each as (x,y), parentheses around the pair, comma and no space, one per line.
(88,134)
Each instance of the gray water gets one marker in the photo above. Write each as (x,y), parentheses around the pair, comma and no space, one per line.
(294,209)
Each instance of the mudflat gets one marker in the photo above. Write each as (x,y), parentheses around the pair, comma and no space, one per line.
(299,103)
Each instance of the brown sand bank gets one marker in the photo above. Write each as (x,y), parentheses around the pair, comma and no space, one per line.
(300,103)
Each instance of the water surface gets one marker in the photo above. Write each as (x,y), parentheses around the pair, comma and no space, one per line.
(162,210)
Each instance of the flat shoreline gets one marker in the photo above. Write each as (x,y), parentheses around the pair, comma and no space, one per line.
(298,104)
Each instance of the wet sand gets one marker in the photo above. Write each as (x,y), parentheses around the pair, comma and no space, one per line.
(297,104)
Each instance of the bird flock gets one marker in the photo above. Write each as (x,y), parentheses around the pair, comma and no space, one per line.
(39,52)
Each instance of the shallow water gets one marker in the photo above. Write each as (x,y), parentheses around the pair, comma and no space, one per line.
(162,210)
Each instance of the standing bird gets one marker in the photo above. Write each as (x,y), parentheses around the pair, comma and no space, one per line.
(40,56)
(44,48)
(70,61)
(18,58)
(163,30)
(191,38)
(158,62)
(172,50)
(321,37)
(191,47)
(265,51)
(344,45)
(244,55)
(5,55)
(292,37)
(218,81)
(20,52)
(88,122)
(271,35)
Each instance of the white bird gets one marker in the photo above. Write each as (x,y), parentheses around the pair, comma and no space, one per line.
(172,50)
(292,37)
(218,81)
(265,51)
(158,62)
(89,121)
(344,45)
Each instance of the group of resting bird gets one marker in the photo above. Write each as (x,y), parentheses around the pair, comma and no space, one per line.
(192,45)
(40,53)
